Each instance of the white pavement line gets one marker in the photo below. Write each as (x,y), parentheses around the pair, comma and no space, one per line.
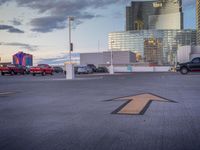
(6,93)
(63,79)
(91,78)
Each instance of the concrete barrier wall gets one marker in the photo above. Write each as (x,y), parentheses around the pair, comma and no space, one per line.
(141,69)
(121,69)
(162,69)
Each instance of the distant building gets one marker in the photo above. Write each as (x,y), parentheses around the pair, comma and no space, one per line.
(137,15)
(23,59)
(198,21)
(195,52)
(183,54)
(134,41)
(153,51)
(161,20)
(155,14)
(187,53)
(104,58)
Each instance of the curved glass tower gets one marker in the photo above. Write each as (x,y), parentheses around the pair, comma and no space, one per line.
(155,14)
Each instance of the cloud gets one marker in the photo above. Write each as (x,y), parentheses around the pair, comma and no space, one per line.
(16,22)
(15,30)
(10,29)
(2,2)
(47,24)
(59,60)
(57,11)
(22,45)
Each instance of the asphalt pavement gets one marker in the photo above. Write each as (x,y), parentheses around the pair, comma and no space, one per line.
(50,113)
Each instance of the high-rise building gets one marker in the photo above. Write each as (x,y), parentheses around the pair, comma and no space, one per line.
(169,41)
(198,20)
(153,52)
(155,14)
(154,31)
(168,15)
(137,15)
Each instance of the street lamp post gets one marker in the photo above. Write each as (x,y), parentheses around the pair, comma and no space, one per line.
(70,41)
(70,67)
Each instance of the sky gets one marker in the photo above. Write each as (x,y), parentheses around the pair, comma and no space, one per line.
(41,28)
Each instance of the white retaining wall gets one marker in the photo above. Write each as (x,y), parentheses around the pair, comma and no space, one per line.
(141,69)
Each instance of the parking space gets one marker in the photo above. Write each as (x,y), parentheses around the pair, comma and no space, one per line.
(49,112)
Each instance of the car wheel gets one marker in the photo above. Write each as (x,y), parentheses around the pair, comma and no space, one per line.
(12,73)
(23,73)
(33,74)
(2,73)
(43,73)
(52,73)
(184,70)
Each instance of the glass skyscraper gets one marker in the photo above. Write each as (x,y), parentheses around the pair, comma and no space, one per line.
(154,31)
(155,14)
(137,15)
(169,41)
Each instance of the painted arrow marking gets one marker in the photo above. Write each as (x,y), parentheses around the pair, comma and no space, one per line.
(138,104)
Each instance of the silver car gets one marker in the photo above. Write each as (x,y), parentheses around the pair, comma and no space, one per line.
(82,70)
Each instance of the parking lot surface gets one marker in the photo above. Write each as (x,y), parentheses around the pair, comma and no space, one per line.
(50,113)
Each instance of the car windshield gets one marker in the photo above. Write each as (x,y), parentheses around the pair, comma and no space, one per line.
(43,65)
(82,67)
(196,60)
(10,65)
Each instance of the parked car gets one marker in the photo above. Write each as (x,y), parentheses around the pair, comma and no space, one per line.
(75,69)
(57,69)
(191,66)
(42,69)
(93,67)
(27,69)
(12,69)
(102,70)
(90,70)
(84,70)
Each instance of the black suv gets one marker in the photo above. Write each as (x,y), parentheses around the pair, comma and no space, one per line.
(93,67)
(192,66)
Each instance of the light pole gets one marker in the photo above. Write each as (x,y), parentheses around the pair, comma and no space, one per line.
(70,18)
(70,67)
(111,58)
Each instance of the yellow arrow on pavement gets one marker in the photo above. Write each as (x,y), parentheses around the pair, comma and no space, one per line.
(138,104)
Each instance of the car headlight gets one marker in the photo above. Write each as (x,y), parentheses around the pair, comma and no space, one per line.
(178,66)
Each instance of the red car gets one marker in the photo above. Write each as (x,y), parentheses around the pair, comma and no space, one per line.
(12,69)
(42,69)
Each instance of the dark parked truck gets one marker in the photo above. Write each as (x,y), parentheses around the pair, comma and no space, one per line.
(191,66)
(12,69)
(42,69)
